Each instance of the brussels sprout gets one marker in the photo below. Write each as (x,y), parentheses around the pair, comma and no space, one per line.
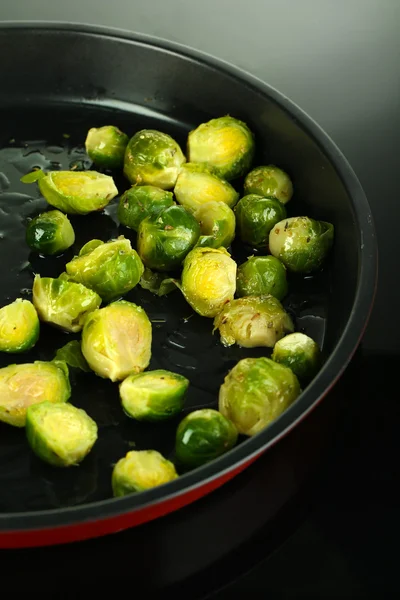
(50,233)
(64,304)
(60,434)
(71,353)
(253,321)
(142,201)
(74,192)
(261,275)
(116,340)
(217,224)
(89,246)
(106,146)
(141,470)
(269,181)
(202,436)
(300,353)
(301,243)
(225,145)
(164,240)
(111,269)
(19,326)
(255,392)
(30,383)
(153,395)
(153,158)
(255,217)
(196,185)
(208,280)
(157,283)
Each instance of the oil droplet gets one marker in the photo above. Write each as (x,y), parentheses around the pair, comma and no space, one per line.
(55,149)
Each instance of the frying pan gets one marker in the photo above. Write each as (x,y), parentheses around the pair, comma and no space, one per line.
(56,81)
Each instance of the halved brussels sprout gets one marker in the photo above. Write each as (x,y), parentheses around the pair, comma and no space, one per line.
(301,243)
(208,280)
(255,217)
(261,275)
(106,146)
(164,240)
(269,181)
(217,224)
(111,269)
(225,145)
(89,246)
(50,233)
(30,383)
(300,353)
(153,158)
(255,392)
(116,340)
(141,470)
(153,395)
(157,283)
(71,353)
(196,185)
(60,434)
(253,321)
(64,304)
(19,326)
(202,436)
(142,201)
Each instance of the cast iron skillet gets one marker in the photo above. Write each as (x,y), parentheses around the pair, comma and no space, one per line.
(58,80)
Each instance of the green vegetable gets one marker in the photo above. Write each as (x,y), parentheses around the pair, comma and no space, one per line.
(208,280)
(165,240)
(50,233)
(142,201)
(116,340)
(252,322)
(261,275)
(269,181)
(60,434)
(106,146)
(202,436)
(89,246)
(217,224)
(111,269)
(157,283)
(256,392)
(224,145)
(62,303)
(255,217)
(196,185)
(19,326)
(141,470)
(30,383)
(153,158)
(71,353)
(301,243)
(300,353)
(153,395)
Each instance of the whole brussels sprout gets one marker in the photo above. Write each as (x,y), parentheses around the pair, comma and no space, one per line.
(50,233)
(196,185)
(300,353)
(255,217)
(19,326)
(164,240)
(256,392)
(60,434)
(31,383)
(62,303)
(208,280)
(225,145)
(253,321)
(142,201)
(116,340)
(111,269)
(301,243)
(153,395)
(202,436)
(269,181)
(153,158)
(217,224)
(261,275)
(106,146)
(141,470)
